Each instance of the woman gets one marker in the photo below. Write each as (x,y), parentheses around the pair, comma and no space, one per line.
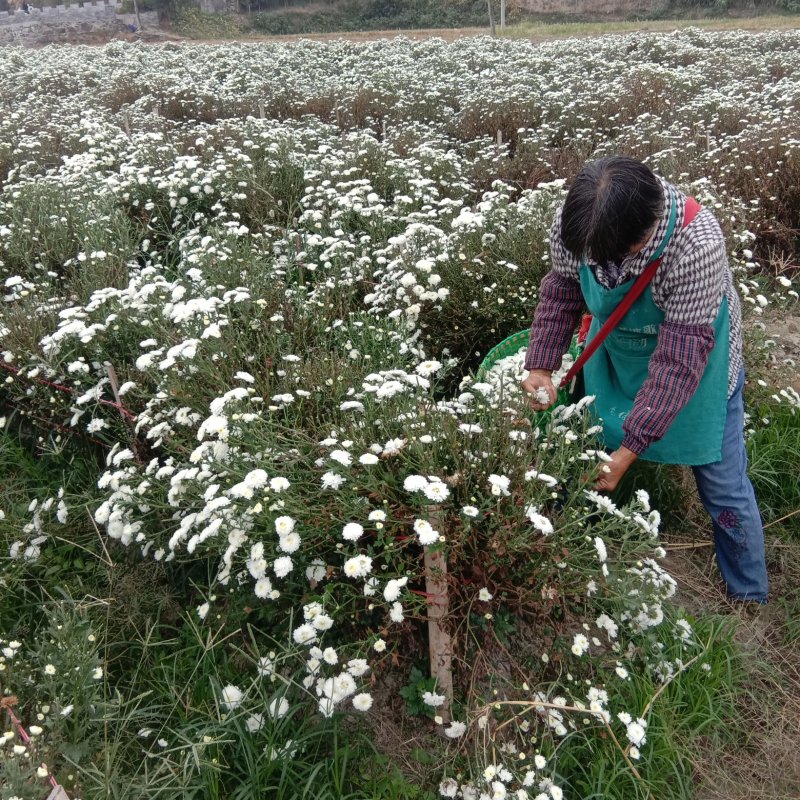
(668,379)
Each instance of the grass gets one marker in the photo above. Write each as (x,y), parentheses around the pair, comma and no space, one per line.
(697,704)
(195,24)
(777,443)
(545,30)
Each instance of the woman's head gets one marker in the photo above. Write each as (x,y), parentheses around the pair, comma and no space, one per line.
(612,205)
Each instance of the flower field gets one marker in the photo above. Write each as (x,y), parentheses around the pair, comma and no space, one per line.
(251,485)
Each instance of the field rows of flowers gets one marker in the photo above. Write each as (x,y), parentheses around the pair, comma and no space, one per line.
(245,289)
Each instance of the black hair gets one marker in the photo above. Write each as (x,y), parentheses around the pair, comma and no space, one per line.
(611,204)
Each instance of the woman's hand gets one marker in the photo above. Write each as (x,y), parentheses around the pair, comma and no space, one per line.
(539,384)
(612,471)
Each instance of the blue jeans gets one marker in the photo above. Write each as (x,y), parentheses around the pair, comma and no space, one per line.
(729,498)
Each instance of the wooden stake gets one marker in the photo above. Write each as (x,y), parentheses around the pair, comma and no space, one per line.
(440,644)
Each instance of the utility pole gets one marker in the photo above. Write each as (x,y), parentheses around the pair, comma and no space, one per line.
(502,14)
(491,18)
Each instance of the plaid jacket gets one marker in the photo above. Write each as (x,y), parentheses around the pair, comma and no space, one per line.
(688,287)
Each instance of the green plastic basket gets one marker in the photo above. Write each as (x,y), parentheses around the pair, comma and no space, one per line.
(511,346)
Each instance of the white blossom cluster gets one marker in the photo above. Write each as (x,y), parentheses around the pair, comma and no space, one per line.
(264,298)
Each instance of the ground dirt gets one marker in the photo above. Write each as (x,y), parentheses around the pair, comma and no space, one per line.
(764,762)
(784,330)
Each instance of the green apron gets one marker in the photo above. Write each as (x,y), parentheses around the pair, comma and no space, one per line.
(616,372)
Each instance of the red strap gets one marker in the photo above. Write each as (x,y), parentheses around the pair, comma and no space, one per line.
(690,211)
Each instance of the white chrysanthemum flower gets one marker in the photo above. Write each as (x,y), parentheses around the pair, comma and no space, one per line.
(425,532)
(499,791)
(289,543)
(284,525)
(396,613)
(456,730)
(539,521)
(263,588)
(322,622)
(484,595)
(368,459)
(343,685)
(637,732)
(499,484)
(377,516)
(278,708)
(393,589)
(415,483)
(255,722)
(330,480)
(427,368)
(362,702)
(432,699)
(470,511)
(352,532)
(326,706)
(601,501)
(436,491)
(357,667)
(316,570)
(304,633)
(342,457)
(604,622)
(279,484)
(283,566)
(548,480)
(215,425)
(232,697)
(393,447)
(600,546)
(265,666)
(580,644)
(358,567)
